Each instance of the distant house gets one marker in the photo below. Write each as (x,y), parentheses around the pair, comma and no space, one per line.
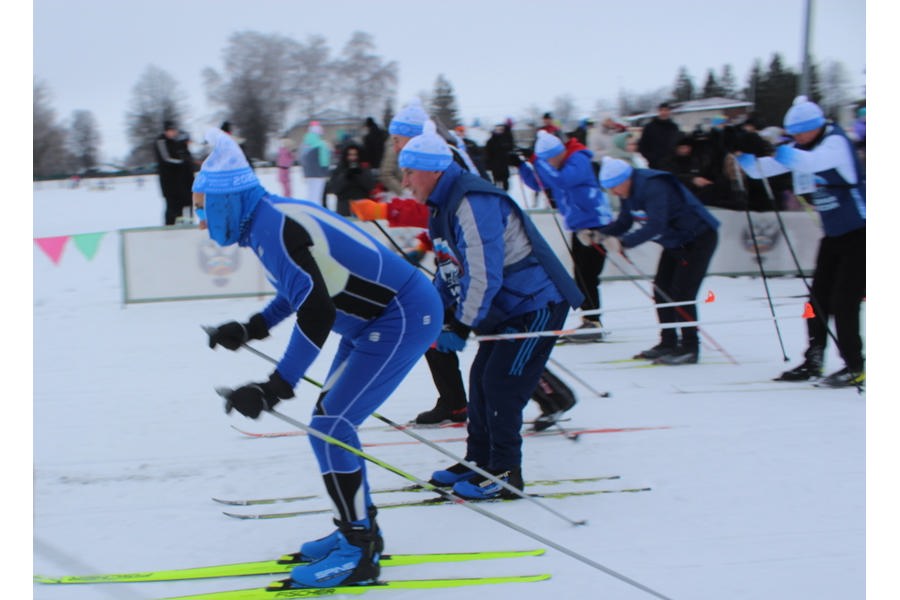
(688,115)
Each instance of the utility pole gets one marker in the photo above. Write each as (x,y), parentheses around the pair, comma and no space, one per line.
(804,74)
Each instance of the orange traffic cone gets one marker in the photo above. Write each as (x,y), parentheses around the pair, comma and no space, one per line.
(808,312)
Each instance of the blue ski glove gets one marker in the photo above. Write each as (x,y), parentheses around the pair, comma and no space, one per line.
(453,336)
(252,399)
(448,341)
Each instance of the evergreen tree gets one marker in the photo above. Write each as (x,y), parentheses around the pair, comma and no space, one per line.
(443,103)
(684,86)
(727,82)
(775,92)
(711,89)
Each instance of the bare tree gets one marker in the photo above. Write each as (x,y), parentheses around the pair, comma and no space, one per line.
(255,87)
(366,81)
(834,88)
(155,99)
(564,110)
(48,138)
(84,139)
(313,80)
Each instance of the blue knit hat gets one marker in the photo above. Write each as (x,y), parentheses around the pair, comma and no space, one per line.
(547,145)
(803,116)
(613,172)
(410,120)
(426,152)
(226,169)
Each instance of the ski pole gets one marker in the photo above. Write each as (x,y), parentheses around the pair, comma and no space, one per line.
(759,262)
(662,294)
(710,297)
(453,498)
(399,249)
(580,331)
(561,367)
(447,453)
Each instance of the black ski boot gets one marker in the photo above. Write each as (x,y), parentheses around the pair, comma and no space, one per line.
(441,413)
(554,397)
(810,369)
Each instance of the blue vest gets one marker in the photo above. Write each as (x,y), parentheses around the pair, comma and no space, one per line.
(541,255)
(841,205)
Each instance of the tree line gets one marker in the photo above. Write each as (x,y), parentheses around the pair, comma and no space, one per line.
(269,82)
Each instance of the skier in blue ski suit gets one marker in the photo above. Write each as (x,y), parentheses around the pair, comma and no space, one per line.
(329,275)
(498,275)
(567,172)
(827,171)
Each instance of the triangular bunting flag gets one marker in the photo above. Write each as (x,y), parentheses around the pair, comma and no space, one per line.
(53,246)
(710,297)
(88,243)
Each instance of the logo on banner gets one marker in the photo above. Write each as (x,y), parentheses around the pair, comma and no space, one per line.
(767,234)
(220,263)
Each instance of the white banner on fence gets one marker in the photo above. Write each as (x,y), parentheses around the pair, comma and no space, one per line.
(182,263)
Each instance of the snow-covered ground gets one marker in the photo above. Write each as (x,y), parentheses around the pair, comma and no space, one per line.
(757,489)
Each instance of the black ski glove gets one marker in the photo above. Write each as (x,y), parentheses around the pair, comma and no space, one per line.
(251,399)
(232,334)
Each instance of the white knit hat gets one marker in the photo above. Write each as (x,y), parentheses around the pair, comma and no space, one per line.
(426,152)
(613,172)
(547,145)
(410,120)
(803,116)
(226,169)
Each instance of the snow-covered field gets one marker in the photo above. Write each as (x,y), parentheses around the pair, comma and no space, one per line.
(757,489)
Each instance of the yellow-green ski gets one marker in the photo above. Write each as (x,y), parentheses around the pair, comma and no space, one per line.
(275,567)
(405,584)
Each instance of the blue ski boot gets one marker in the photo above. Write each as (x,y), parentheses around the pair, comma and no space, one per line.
(317,549)
(449,476)
(353,560)
(482,488)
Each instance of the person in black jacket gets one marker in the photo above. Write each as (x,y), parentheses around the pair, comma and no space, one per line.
(496,154)
(373,144)
(175,167)
(657,143)
(351,179)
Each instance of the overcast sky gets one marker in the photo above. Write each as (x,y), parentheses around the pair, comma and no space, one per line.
(500,56)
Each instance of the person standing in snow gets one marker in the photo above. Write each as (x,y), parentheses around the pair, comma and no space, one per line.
(350,180)
(329,275)
(566,171)
(671,216)
(175,167)
(827,173)
(658,139)
(497,275)
(284,162)
(315,159)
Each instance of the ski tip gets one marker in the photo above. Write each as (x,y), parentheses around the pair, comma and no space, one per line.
(223,391)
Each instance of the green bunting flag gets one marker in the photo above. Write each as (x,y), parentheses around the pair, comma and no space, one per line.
(88,243)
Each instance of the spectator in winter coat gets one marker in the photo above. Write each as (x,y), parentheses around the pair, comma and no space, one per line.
(175,167)
(350,180)
(315,159)
(497,275)
(668,214)
(329,276)
(827,172)
(567,172)
(284,162)
(497,152)
(373,144)
(658,139)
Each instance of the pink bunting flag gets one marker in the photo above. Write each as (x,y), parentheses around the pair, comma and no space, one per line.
(53,246)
